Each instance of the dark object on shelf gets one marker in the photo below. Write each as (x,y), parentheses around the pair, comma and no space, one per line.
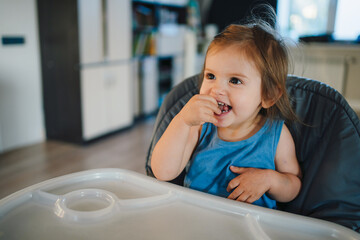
(222,13)
(317,38)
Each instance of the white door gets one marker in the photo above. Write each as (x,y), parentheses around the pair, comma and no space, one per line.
(118,101)
(93,98)
(106,99)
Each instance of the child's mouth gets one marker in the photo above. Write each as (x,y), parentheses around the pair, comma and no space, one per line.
(224,107)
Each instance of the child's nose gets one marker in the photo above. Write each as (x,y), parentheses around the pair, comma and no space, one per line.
(218,88)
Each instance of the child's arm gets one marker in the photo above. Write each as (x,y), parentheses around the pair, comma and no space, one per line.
(174,148)
(283,185)
(286,185)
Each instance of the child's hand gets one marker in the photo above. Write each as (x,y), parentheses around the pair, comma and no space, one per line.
(249,186)
(200,109)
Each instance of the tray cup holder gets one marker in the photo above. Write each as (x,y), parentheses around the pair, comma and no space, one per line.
(86,205)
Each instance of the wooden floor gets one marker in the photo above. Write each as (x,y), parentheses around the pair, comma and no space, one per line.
(26,166)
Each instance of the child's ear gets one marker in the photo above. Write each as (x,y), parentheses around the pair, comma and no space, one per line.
(271,100)
(268,103)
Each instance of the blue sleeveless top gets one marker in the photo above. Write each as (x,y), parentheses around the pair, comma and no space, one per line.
(209,165)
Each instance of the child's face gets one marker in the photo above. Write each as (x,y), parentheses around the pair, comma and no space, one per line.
(233,80)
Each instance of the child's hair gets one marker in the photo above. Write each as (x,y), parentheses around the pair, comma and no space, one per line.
(267,50)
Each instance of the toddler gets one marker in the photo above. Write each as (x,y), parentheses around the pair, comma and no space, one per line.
(232,135)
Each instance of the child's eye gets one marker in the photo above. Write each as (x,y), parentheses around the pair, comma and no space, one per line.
(210,76)
(235,81)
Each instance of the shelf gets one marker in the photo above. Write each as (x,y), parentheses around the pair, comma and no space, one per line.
(158,39)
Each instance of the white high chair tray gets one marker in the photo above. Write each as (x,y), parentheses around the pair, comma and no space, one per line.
(120,204)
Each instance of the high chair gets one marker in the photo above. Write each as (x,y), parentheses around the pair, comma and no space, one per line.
(327,146)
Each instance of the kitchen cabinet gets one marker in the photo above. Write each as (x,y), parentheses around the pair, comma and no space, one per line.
(104,99)
(86,67)
(335,64)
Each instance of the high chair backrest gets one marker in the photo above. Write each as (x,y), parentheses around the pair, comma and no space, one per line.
(327,146)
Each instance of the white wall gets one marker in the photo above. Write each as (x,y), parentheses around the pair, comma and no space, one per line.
(21,113)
